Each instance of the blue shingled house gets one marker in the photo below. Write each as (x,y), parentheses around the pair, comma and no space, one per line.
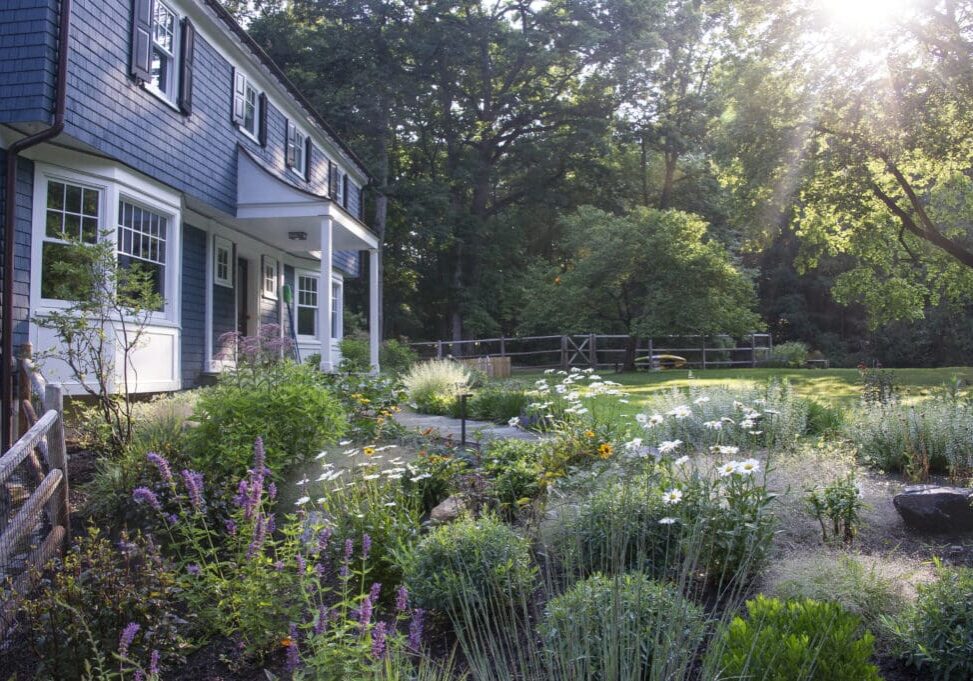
(162,121)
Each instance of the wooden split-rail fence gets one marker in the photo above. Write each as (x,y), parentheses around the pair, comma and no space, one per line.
(607,350)
(34,508)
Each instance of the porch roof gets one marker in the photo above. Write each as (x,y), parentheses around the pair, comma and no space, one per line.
(276,211)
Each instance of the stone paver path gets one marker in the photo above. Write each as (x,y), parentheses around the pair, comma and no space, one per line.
(476,431)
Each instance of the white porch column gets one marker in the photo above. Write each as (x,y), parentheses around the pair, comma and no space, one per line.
(324,295)
(374,333)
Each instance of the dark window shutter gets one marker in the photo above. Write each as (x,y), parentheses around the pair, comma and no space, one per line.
(262,123)
(142,39)
(308,146)
(344,190)
(361,203)
(290,146)
(239,97)
(188,56)
(332,180)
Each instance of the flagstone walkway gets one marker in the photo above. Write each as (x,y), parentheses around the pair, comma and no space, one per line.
(476,431)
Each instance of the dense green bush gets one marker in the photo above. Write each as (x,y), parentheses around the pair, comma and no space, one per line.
(469,564)
(800,640)
(937,634)
(433,386)
(396,357)
(93,594)
(791,355)
(515,472)
(369,401)
(355,354)
(286,404)
(931,437)
(605,628)
(498,403)
(823,419)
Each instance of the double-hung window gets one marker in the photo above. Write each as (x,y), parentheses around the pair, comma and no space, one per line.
(248,107)
(72,214)
(163,58)
(297,150)
(336,310)
(307,305)
(222,262)
(269,277)
(142,236)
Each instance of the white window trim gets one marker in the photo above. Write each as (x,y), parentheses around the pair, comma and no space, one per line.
(169,98)
(116,185)
(337,311)
(219,243)
(310,274)
(302,171)
(256,108)
(264,261)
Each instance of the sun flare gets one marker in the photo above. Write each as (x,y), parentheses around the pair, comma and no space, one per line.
(862,15)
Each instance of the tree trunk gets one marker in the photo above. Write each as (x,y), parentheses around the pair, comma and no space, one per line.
(631,345)
(665,197)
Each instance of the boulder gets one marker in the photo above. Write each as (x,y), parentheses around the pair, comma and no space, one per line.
(934,508)
(448,510)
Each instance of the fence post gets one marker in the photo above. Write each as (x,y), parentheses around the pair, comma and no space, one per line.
(23,385)
(651,353)
(58,456)
(704,351)
(439,349)
(564,353)
(592,351)
(753,350)
(503,346)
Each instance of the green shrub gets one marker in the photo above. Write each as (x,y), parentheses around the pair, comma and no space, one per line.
(617,529)
(799,640)
(396,357)
(931,437)
(498,403)
(515,472)
(860,587)
(369,401)
(286,404)
(605,628)
(823,419)
(103,590)
(469,564)
(355,354)
(771,416)
(791,355)
(837,507)
(936,635)
(435,384)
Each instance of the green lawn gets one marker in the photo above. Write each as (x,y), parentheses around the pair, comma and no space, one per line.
(835,386)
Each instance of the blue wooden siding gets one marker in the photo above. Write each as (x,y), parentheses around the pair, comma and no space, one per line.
(348,262)
(25,201)
(193,342)
(28,39)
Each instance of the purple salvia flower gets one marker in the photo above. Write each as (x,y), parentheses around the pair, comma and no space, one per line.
(231,527)
(128,635)
(154,663)
(301,564)
(401,599)
(279,566)
(365,613)
(323,538)
(242,494)
(415,628)
(321,624)
(293,653)
(165,470)
(319,570)
(143,495)
(271,523)
(193,569)
(259,456)
(194,488)
(172,518)
(366,546)
(139,675)
(272,491)
(378,640)
(374,592)
(349,549)
(257,539)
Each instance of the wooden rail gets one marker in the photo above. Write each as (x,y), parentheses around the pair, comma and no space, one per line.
(50,496)
(607,350)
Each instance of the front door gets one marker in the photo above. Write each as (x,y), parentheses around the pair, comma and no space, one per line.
(242,297)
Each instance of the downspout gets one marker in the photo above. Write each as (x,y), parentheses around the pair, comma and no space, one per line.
(10,221)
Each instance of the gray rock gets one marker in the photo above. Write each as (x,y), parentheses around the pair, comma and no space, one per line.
(933,508)
(448,510)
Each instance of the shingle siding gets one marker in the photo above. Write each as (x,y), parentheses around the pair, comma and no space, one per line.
(28,52)
(25,201)
(193,304)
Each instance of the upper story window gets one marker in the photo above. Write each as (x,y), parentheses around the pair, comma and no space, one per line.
(298,148)
(163,64)
(249,107)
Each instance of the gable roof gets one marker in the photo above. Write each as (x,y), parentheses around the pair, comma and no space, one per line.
(231,23)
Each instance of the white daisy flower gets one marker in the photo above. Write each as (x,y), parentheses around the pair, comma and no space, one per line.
(514,422)
(667,521)
(681,461)
(681,412)
(701,400)
(669,446)
(302,501)
(725,450)
(320,456)
(344,443)
(729,468)
(748,467)
(672,497)
(713,425)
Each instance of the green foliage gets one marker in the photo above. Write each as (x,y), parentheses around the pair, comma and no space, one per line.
(369,402)
(878,385)
(355,354)
(467,564)
(672,279)
(800,640)
(433,386)
(620,627)
(930,437)
(515,472)
(287,404)
(91,595)
(437,470)
(396,357)
(792,354)
(936,635)
(838,503)
(498,403)
(824,419)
